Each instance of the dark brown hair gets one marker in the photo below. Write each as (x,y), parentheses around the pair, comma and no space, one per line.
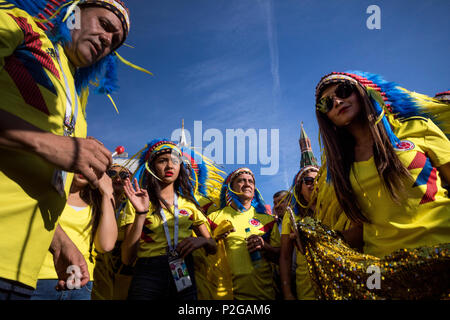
(339,150)
(93,198)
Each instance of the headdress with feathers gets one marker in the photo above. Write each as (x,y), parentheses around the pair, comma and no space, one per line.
(391,102)
(52,15)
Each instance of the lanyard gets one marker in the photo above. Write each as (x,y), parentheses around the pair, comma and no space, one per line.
(69,120)
(166,227)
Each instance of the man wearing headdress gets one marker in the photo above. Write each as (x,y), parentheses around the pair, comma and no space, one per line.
(44,72)
(242,205)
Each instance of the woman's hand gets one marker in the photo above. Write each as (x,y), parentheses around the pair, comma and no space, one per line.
(105,185)
(190,244)
(139,198)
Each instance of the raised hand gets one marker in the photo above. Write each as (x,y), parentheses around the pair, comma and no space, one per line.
(138,197)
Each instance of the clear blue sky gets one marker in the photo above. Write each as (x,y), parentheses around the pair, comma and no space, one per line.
(254,64)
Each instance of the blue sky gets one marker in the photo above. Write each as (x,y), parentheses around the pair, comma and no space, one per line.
(254,64)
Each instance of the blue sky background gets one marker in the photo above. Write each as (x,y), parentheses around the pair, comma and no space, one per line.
(255,63)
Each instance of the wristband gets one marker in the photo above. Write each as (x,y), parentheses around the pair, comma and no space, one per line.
(143,212)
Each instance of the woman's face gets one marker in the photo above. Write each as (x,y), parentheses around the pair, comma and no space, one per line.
(308,185)
(167,167)
(118,177)
(345,110)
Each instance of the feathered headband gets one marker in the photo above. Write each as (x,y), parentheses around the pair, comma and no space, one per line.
(205,176)
(228,196)
(52,15)
(391,101)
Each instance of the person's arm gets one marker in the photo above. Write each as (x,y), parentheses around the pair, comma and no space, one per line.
(86,156)
(140,200)
(287,248)
(203,239)
(106,235)
(66,254)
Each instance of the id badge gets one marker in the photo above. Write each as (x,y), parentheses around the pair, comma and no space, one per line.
(180,273)
(58,181)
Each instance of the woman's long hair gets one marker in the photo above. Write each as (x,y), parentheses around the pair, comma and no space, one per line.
(183,187)
(339,150)
(93,198)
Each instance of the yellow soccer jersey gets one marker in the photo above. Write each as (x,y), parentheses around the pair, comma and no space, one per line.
(32,87)
(249,283)
(75,224)
(153,240)
(423,218)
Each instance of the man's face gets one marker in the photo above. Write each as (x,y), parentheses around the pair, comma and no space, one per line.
(279,206)
(99,34)
(244,185)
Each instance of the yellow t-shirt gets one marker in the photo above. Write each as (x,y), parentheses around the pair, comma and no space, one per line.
(32,88)
(249,283)
(153,240)
(424,217)
(75,224)
(304,285)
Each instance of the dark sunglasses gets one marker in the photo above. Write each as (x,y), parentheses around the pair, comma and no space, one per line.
(113,173)
(342,91)
(308,180)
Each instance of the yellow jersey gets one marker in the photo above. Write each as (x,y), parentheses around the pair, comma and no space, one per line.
(76,224)
(249,283)
(153,240)
(423,217)
(32,88)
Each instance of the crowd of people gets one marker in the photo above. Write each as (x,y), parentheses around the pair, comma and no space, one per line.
(75,225)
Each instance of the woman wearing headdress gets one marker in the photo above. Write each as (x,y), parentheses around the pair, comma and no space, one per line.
(300,198)
(88,219)
(386,156)
(160,216)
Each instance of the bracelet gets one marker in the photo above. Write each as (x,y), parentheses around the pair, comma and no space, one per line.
(143,212)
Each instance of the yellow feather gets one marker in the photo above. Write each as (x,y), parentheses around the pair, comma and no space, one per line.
(128,63)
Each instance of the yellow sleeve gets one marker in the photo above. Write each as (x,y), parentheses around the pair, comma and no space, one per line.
(286,225)
(11,36)
(199,217)
(437,145)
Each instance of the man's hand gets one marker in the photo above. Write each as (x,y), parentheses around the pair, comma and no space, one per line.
(86,156)
(255,243)
(65,255)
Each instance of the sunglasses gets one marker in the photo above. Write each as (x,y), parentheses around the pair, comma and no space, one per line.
(342,91)
(308,180)
(113,173)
